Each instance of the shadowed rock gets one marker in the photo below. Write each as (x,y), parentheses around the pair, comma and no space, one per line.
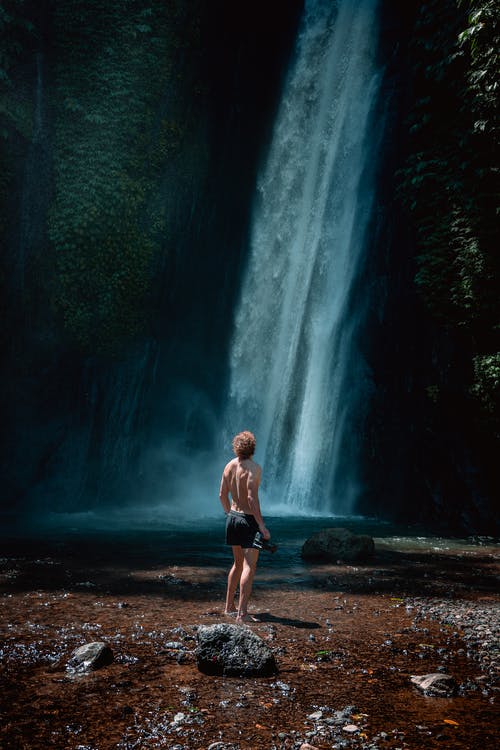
(331,545)
(436,684)
(233,650)
(89,657)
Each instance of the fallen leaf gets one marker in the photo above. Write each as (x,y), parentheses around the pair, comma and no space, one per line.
(259,726)
(450,721)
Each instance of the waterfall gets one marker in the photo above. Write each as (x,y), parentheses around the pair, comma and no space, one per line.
(297,376)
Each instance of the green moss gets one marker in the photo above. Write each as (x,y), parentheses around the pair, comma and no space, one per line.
(113,141)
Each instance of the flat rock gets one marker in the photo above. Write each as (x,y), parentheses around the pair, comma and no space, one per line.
(332,545)
(90,656)
(233,650)
(436,684)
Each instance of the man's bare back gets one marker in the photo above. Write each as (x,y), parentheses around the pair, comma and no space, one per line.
(242,478)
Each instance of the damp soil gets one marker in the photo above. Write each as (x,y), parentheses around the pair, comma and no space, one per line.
(347,640)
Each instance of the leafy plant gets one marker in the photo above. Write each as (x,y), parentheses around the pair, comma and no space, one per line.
(449,181)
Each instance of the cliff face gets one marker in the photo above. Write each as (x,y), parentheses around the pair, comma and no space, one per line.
(131,141)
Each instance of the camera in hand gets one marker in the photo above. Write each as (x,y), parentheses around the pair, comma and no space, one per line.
(260,543)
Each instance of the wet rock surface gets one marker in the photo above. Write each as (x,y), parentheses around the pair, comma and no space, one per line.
(233,651)
(333,545)
(89,657)
(346,640)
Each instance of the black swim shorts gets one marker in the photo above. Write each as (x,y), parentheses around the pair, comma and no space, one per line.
(240,529)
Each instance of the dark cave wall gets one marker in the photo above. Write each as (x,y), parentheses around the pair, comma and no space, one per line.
(85,382)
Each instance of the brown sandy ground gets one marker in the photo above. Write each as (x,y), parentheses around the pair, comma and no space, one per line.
(346,640)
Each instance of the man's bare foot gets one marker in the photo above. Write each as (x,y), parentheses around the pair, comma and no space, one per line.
(246,618)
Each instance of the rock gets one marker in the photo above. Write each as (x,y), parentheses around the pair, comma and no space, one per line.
(436,684)
(316,716)
(90,656)
(331,545)
(350,728)
(233,650)
(307,746)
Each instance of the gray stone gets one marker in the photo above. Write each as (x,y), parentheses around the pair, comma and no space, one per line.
(233,650)
(316,716)
(351,728)
(331,545)
(89,657)
(436,684)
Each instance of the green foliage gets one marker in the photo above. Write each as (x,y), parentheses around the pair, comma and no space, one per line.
(115,134)
(482,38)
(449,182)
(486,387)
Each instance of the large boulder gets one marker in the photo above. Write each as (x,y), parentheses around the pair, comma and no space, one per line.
(233,650)
(89,657)
(332,545)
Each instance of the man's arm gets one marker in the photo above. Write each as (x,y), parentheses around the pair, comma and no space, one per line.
(253,501)
(224,494)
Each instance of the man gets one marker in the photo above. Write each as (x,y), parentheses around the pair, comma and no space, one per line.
(241,479)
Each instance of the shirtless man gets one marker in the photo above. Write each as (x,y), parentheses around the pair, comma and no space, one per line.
(241,479)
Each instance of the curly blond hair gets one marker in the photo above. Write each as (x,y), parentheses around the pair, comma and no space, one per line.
(244,444)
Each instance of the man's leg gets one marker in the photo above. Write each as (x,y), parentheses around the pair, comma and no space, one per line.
(233,579)
(250,557)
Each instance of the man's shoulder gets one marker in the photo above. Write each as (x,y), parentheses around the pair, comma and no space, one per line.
(229,466)
(254,467)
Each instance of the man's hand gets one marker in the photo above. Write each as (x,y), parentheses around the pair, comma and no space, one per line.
(266,534)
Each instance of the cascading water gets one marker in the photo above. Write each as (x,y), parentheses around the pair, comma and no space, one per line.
(297,377)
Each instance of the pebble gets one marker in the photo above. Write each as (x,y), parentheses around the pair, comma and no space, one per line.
(351,728)
(316,716)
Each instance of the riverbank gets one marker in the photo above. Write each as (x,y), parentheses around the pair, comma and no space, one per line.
(347,640)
